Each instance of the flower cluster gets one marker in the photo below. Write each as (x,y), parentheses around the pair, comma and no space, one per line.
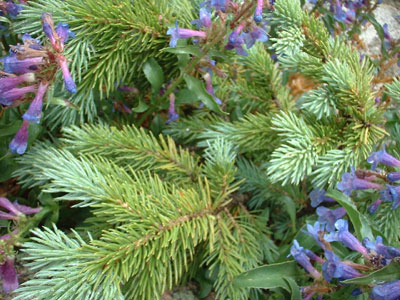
(333,270)
(374,179)
(212,28)
(246,32)
(30,68)
(10,8)
(14,212)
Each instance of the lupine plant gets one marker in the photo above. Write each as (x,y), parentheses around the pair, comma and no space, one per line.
(238,149)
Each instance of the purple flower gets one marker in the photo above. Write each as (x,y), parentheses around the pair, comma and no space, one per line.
(217,4)
(374,206)
(12,9)
(386,291)
(315,232)
(258,12)
(340,15)
(12,64)
(258,34)
(391,194)
(34,113)
(64,32)
(394,176)
(68,81)
(236,41)
(9,275)
(8,97)
(302,259)
(9,235)
(8,83)
(329,217)
(311,255)
(345,237)
(15,209)
(204,20)
(48,27)
(386,33)
(173,115)
(177,33)
(317,196)
(334,268)
(209,87)
(378,247)
(384,158)
(350,182)
(20,141)
(31,42)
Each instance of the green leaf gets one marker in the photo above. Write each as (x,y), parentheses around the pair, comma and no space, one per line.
(197,87)
(390,272)
(154,74)
(185,96)
(141,107)
(291,210)
(10,129)
(269,276)
(294,288)
(360,222)
(190,49)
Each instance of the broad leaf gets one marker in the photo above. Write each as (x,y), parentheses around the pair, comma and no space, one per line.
(269,276)
(389,273)
(154,74)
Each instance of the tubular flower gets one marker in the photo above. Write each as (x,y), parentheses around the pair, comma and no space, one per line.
(334,268)
(173,115)
(300,256)
(386,291)
(12,64)
(68,81)
(351,182)
(8,83)
(177,33)
(9,275)
(382,157)
(258,12)
(34,112)
(346,238)
(20,141)
(204,20)
(236,41)
(8,97)
(317,196)
(330,216)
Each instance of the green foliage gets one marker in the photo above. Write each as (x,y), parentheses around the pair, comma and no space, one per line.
(159,218)
(113,41)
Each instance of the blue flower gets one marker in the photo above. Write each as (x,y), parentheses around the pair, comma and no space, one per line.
(386,291)
(13,65)
(258,34)
(20,141)
(217,4)
(12,9)
(204,20)
(384,158)
(64,32)
(350,182)
(8,83)
(68,81)
(317,196)
(258,12)
(345,237)
(334,268)
(391,194)
(329,217)
(34,112)
(236,41)
(394,176)
(374,206)
(315,231)
(8,97)
(302,259)
(177,33)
